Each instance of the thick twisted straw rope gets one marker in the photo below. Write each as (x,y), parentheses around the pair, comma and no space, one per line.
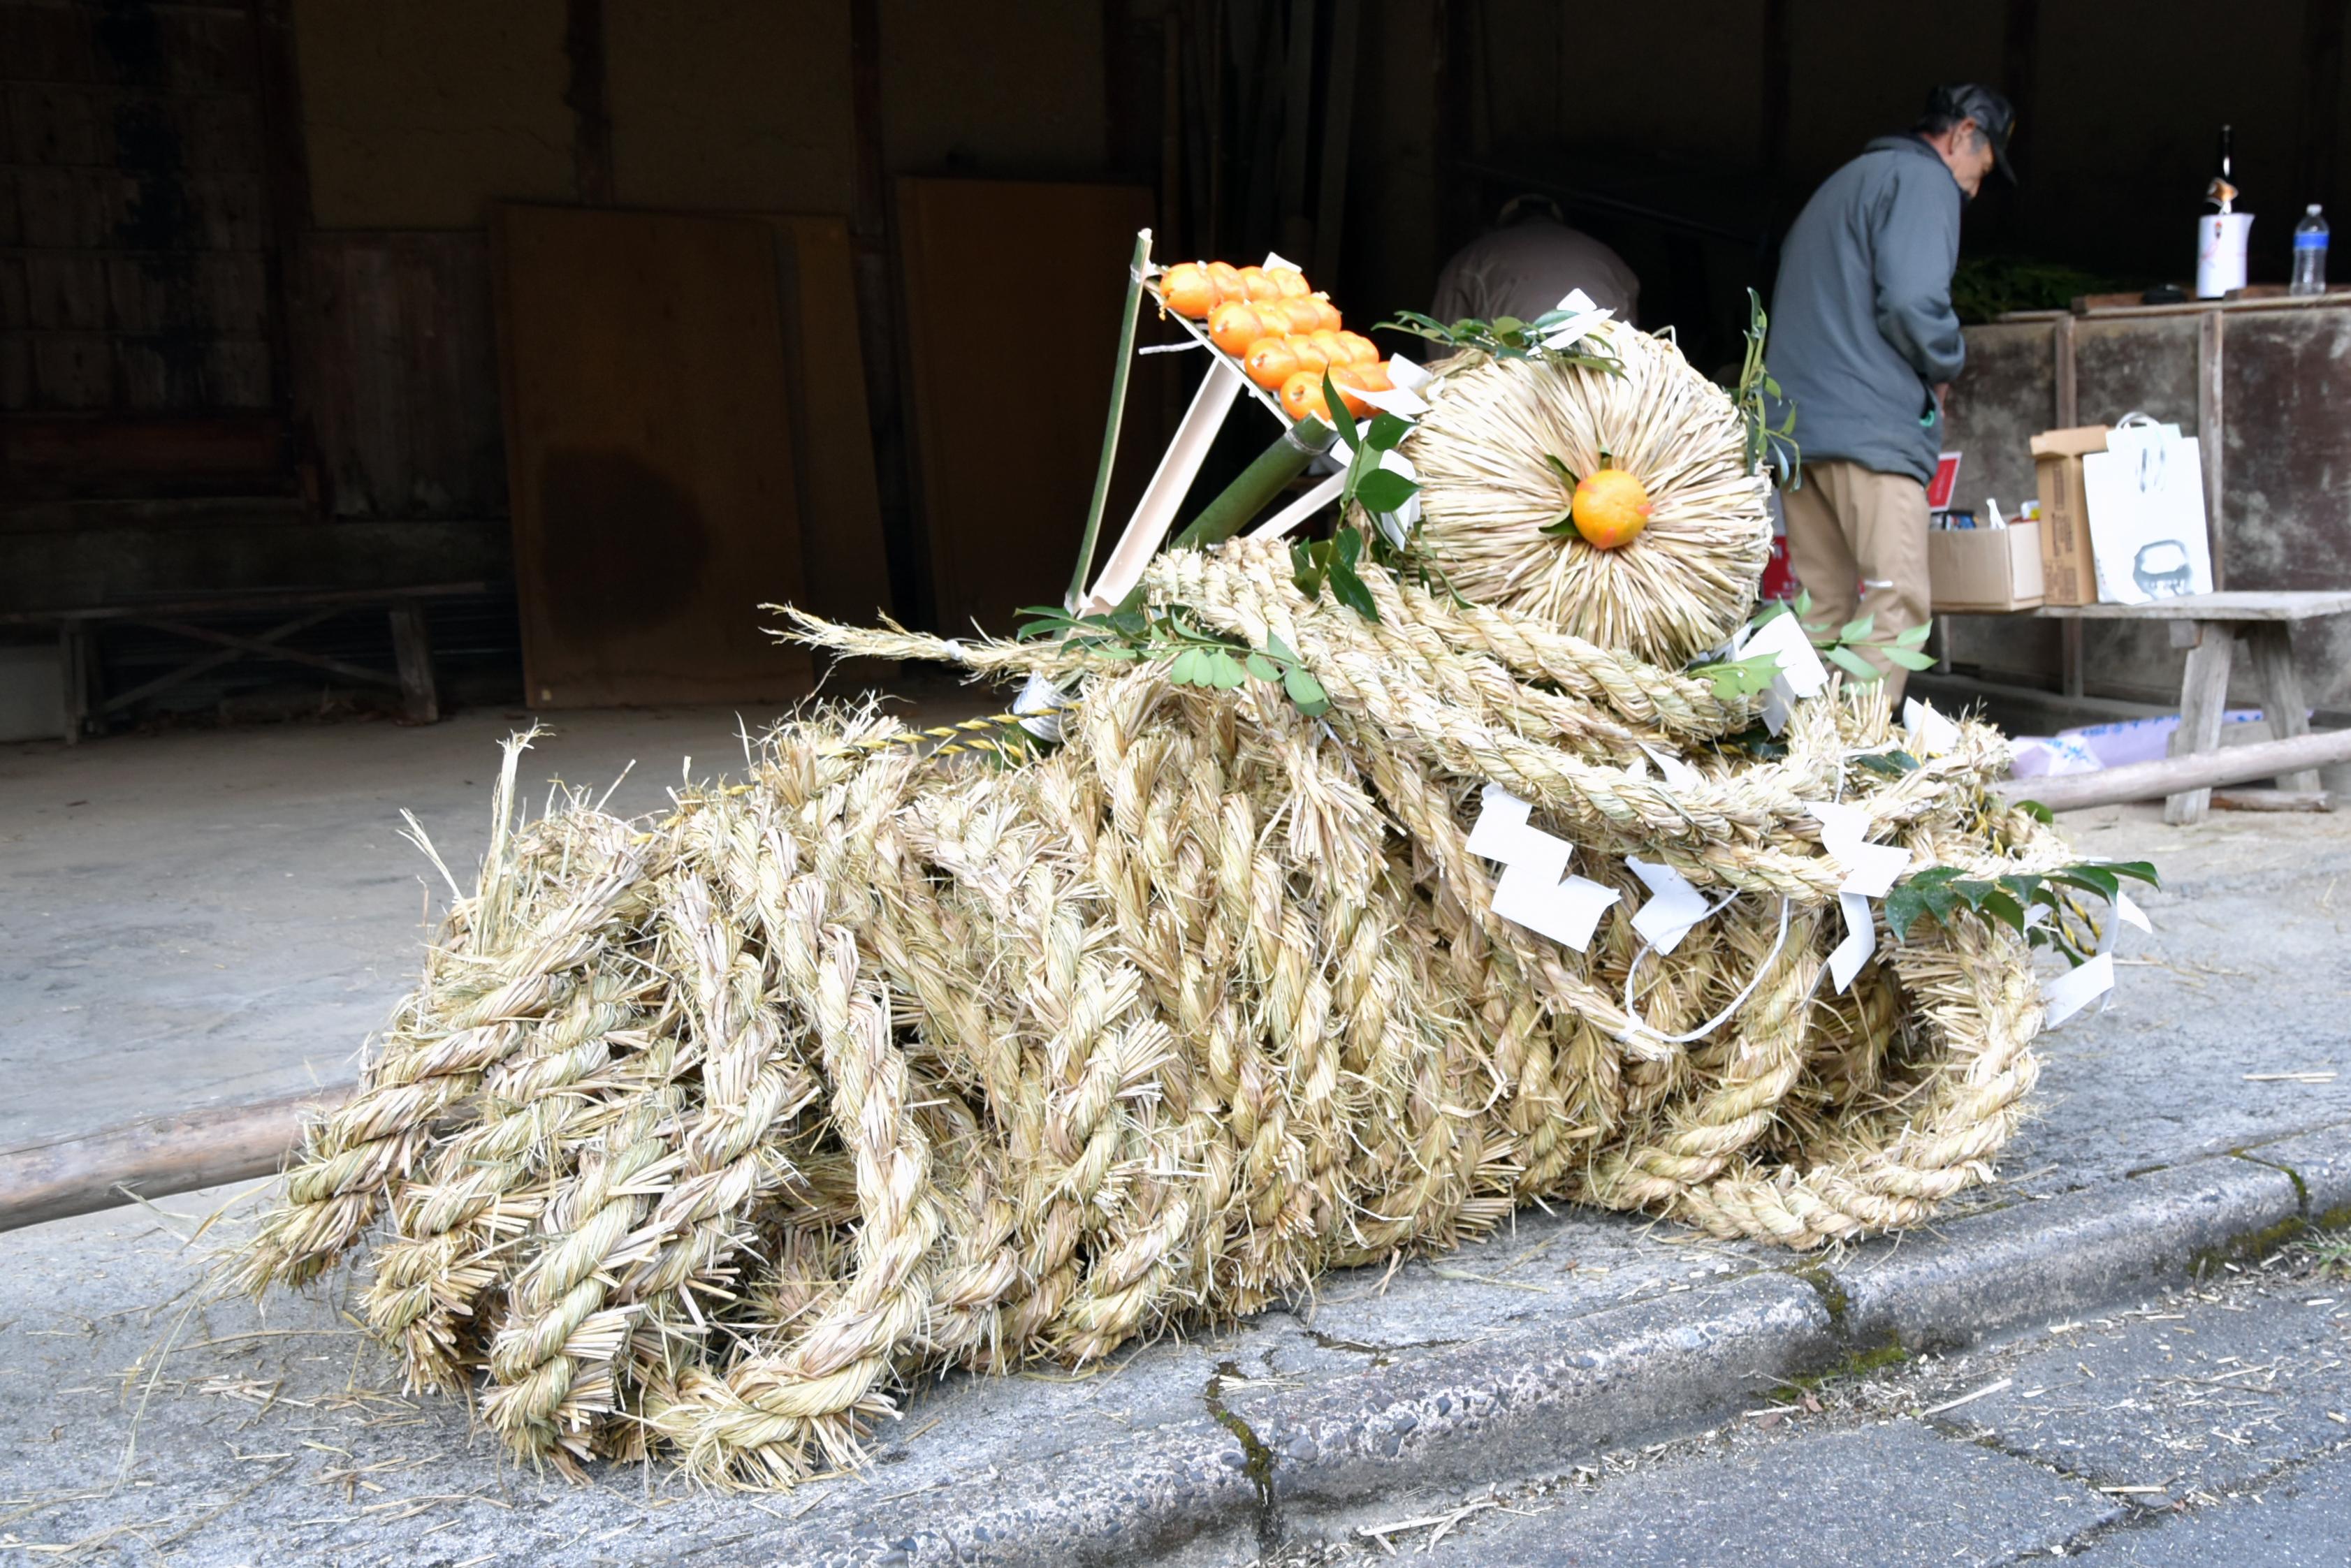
(703,1132)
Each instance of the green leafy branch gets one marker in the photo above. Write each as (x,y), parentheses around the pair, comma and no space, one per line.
(1758,391)
(1506,338)
(1317,563)
(1382,492)
(1561,526)
(1375,489)
(1893,762)
(1736,679)
(1197,656)
(1941,892)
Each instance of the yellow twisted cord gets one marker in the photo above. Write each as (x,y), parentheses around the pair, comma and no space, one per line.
(995,734)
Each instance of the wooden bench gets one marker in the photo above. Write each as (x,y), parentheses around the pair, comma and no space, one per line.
(2209,626)
(411,645)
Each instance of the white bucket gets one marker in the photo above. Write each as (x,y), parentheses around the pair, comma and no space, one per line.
(2220,240)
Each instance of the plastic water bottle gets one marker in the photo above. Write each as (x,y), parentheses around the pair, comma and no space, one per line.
(2310,253)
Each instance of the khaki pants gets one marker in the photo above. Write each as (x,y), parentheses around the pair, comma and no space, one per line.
(1851,527)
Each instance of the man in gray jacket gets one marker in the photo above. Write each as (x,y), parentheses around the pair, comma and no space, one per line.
(1864,341)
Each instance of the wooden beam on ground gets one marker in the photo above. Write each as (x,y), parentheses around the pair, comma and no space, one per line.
(2176,775)
(153,1158)
(2271,800)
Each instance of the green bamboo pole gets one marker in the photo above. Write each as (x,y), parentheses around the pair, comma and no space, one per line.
(1258,483)
(1117,411)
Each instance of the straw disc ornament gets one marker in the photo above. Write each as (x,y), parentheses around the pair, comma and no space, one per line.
(1513,455)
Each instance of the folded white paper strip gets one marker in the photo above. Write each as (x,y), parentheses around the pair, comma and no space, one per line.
(1870,869)
(1801,672)
(2070,992)
(1529,892)
(1501,818)
(1870,872)
(1040,706)
(1674,906)
(1531,895)
(1578,326)
(1399,399)
(1860,939)
(1932,734)
(2124,913)
(1677,773)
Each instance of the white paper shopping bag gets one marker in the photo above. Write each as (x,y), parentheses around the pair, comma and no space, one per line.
(2146,497)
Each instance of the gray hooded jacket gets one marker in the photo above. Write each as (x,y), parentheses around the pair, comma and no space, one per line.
(1862,324)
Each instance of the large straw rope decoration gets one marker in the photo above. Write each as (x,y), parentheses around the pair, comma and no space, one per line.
(704,1132)
(1685,584)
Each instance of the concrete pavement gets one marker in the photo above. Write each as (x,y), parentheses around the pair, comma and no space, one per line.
(200,917)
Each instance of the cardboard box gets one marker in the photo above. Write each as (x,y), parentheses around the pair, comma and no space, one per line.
(1980,570)
(2068,575)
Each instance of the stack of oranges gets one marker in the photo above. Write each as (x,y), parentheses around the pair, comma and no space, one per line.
(1285,336)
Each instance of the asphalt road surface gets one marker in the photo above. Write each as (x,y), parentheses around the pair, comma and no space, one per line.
(2211,1424)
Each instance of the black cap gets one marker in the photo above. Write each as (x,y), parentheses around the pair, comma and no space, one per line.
(1970,101)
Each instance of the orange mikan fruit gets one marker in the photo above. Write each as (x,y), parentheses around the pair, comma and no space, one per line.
(1309,357)
(1188,290)
(1611,508)
(1301,395)
(1327,312)
(1335,352)
(1289,281)
(1361,350)
(1234,325)
(1295,315)
(1259,285)
(1374,373)
(1270,363)
(1351,379)
(1228,279)
(1272,316)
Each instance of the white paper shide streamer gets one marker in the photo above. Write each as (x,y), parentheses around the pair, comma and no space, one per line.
(1530,891)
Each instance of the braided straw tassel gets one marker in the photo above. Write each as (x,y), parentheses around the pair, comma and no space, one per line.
(764,1419)
(522,942)
(704,1132)
(541,1100)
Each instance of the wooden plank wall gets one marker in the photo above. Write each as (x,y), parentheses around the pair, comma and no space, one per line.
(140,336)
(651,462)
(844,567)
(1007,434)
(400,354)
(2286,513)
(134,220)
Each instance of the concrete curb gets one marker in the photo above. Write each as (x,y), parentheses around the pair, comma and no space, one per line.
(1262,1462)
